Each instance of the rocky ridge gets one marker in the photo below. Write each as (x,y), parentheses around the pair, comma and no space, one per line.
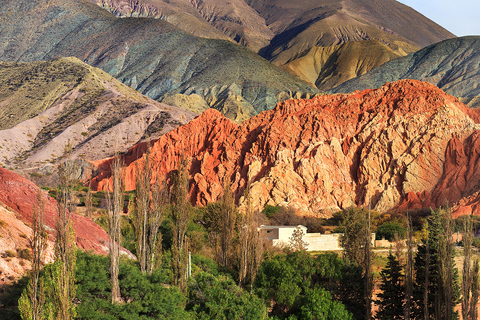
(375,147)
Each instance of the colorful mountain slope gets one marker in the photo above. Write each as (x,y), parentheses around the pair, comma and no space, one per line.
(48,105)
(328,67)
(286,29)
(18,197)
(150,55)
(320,155)
(452,65)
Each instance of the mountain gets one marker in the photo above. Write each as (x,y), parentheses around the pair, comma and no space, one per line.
(300,25)
(217,19)
(452,65)
(18,196)
(319,155)
(328,67)
(301,34)
(150,55)
(46,106)
(282,30)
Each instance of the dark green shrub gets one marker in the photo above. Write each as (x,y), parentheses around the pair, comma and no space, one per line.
(388,230)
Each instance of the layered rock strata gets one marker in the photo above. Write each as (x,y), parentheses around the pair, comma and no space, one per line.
(375,147)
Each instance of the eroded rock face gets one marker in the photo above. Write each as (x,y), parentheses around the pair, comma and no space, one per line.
(380,147)
(19,195)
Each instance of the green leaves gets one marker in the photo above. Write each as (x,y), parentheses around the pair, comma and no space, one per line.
(220,298)
(297,285)
(144,296)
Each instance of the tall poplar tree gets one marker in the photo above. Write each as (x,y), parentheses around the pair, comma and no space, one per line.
(228,217)
(436,289)
(180,218)
(61,275)
(31,303)
(115,208)
(143,177)
(251,244)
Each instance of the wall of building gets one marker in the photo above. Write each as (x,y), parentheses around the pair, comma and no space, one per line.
(323,242)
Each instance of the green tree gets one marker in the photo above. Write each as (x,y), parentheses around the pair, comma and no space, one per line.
(292,284)
(146,296)
(180,219)
(392,291)
(219,298)
(318,304)
(31,303)
(389,229)
(60,282)
(436,288)
(352,242)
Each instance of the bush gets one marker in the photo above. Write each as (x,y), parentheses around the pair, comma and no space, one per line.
(9,254)
(298,286)
(25,254)
(220,298)
(476,242)
(388,230)
(145,296)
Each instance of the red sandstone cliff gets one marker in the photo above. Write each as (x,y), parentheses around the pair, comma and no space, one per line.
(406,143)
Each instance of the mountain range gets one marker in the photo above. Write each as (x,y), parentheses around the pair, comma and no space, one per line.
(282,30)
(150,55)
(305,47)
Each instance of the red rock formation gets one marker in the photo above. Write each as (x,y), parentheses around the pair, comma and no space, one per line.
(20,196)
(319,155)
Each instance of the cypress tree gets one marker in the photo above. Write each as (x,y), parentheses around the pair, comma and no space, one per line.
(392,295)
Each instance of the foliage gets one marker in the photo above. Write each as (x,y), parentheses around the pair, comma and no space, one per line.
(353,241)
(180,217)
(205,264)
(436,287)
(286,281)
(210,216)
(10,297)
(389,229)
(269,211)
(144,296)
(220,298)
(392,291)
(32,302)
(319,304)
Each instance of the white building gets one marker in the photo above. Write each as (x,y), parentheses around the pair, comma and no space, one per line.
(280,236)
